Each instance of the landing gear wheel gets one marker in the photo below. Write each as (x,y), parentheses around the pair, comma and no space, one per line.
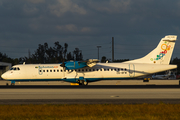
(12,84)
(85,83)
(7,84)
(81,82)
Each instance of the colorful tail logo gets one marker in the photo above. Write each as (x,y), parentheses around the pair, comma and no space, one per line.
(165,48)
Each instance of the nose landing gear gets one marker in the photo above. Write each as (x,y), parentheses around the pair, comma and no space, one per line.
(12,83)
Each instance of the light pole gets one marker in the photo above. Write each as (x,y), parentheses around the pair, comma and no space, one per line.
(112,49)
(98,51)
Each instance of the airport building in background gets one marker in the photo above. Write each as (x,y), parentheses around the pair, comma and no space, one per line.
(4,67)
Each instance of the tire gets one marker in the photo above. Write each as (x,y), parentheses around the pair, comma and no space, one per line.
(85,83)
(81,82)
(12,84)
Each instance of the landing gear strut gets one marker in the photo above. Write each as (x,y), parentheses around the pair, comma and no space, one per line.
(12,83)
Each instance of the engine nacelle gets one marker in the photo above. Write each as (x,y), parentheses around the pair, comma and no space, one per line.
(75,65)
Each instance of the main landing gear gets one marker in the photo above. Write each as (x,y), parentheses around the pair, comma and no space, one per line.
(82,81)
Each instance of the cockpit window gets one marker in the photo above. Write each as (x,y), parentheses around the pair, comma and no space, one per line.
(15,68)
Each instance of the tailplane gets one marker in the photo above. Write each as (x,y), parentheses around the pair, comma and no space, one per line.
(161,54)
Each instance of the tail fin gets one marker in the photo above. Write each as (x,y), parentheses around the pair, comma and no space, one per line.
(161,54)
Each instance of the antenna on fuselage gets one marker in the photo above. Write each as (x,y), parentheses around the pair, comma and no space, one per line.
(24,63)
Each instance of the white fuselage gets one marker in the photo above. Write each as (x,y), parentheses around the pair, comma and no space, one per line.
(101,71)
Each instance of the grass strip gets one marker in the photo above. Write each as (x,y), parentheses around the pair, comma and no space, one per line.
(89,112)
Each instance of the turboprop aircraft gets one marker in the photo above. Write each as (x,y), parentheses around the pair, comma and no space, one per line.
(83,72)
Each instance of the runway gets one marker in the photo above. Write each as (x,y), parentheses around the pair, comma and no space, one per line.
(92,94)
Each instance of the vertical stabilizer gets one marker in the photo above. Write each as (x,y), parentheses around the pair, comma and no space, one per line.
(161,54)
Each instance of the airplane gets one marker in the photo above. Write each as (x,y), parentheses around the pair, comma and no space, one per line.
(168,75)
(84,72)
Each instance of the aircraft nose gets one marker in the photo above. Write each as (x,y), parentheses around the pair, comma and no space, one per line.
(4,76)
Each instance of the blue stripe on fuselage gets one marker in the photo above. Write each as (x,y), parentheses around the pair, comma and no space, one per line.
(73,80)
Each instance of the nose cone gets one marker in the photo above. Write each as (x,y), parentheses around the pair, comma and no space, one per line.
(4,76)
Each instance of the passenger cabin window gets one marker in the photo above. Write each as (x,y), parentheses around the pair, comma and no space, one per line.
(57,70)
(43,70)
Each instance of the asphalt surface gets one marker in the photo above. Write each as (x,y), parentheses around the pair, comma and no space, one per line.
(97,94)
(107,92)
(89,87)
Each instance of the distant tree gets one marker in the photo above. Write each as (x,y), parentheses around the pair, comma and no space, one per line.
(51,55)
(78,54)
(46,54)
(70,56)
(39,55)
(5,58)
(65,50)
(58,49)
(103,59)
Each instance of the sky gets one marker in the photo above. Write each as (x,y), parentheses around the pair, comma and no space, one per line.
(136,25)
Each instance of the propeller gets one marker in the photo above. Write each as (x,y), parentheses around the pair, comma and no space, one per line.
(64,68)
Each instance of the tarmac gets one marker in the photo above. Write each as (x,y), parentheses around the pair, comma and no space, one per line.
(102,92)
